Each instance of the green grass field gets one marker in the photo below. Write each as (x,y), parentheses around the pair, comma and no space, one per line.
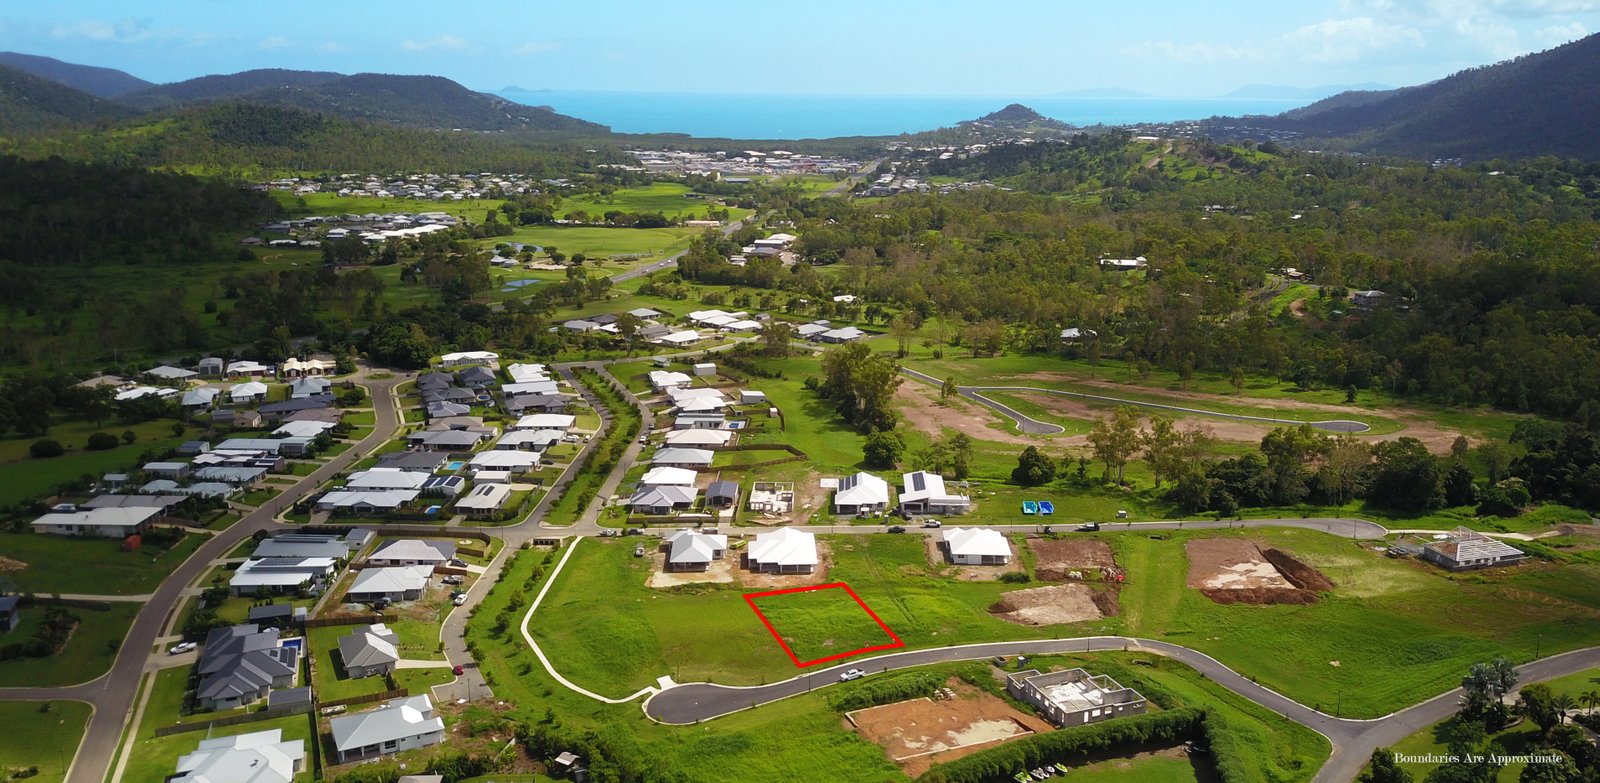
(334,204)
(87,655)
(600,242)
(94,566)
(664,197)
(22,477)
(43,735)
(819,624)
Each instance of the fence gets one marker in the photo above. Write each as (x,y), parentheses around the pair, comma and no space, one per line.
(397,693)
(231,720)
(322,622)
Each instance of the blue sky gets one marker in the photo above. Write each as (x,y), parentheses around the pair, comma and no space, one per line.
(996,47)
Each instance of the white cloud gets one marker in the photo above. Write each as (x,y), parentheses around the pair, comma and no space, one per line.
(1445,10)
(1347,40)
(1558,34)
(1495,39)
(532,48)
(130,31)
(445,42)
(275,42)
(1197,52)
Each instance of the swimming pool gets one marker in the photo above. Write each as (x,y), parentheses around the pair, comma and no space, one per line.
(294,643)
(454,465)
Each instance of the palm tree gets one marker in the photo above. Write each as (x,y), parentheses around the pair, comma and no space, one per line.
(1590,699)
(1563,703)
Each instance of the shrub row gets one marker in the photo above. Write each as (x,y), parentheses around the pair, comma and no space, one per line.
(885,690)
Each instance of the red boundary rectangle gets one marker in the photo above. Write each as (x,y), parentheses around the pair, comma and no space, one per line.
(750,598)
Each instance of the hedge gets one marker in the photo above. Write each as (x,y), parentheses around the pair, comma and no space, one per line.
(1002,763)
(885,690)
(1225,752)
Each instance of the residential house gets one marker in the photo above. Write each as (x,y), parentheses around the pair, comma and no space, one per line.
(302,429)
(212,367)
(230,475)
(786,550)
(722,494)
(256,757)
(925,493)
(1073,334)
(248,392)
(162,502)
(10,613)
(278,411)
(529,440)
(681,339)
(661,380)
(691,550)
(700,421)
(683,458)
(193,448)
(862,493)
(449,439)
(310,387)
(443,410)
(402,724)
(527,373)
(546,421)
(1368,298)
(416,461)
(485,500)
(811,331)
(691,438)
(299,368)
(397,583)
(1464,549)
(976,546)
(118,522)
(519,404)
(1074,697)
(1123,264)
(281,615)
(366,502)
(443,486)
(248,369)
(203,397)
(385,478)
(669,477)
(172,470)
(240,664)
(662,499)
(477,377)
(371,650)
(413,551)
(464,358)
(281,575)
(507,460)
(842,335)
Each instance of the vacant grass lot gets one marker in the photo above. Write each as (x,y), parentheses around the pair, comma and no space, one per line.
(664,197)
(95,566)
(87,655)
(43,735)
(1392,633)
(599,242)
(819,624)
(22,477)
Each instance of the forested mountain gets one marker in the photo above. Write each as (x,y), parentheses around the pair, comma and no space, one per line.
(416,101)
(1541,104)
(29,104)
(99,82)
(252,138)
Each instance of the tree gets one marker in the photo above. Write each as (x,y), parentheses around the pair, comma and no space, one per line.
(1458,487)
(1339,478)
(948,390)
(1562,771)
(960,446)
(1116,440)
(46,448)
(1539,704)
(1033,468)
(1459,447)
(904,329)
(1236,379)
(1405,476)
(1382,768)
(777,338)
(1171,451)
(100,441)
(129,436)
(883,449)
(860,384)
(1494,459)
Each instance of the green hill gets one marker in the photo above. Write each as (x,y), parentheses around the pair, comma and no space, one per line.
(99,82)
(31,104)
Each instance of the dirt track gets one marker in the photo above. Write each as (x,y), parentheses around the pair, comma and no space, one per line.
(919,403)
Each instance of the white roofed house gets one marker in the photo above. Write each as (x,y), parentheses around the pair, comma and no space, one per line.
(663,379)
(861,494)
(786,550)
(256,757)
(249,391)
(528,440)
(385,478)
(396,583)
(527,373)
(484,500)
(1074,334)
(683,458)
(691,438)
(248,369)
(281,574)
(691,550)
(976,546)
(464,358)
(512,460)
(118,522)
(925,493)
(681,339)
(546,421)
(841,335)
(203,397)
(402,724)
(1465,549)
(168,373)
(413,551)
(368,501)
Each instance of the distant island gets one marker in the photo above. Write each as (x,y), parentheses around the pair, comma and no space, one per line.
(514,88)
(1102,92)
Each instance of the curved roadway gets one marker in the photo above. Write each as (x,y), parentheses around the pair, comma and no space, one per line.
(1032,426)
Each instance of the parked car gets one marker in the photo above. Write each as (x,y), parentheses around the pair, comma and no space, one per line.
(610,533)
(458,670)
(930,523)
(633,531)
(454,579)
(459,600)
(458,562)
(896,529)
(181,648)
(1089,527)
(638,551)
(852,674)
(381,604)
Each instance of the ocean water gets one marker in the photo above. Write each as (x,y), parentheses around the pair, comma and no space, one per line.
(742,116)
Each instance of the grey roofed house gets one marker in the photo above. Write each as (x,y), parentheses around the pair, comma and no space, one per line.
(169,373)
(229,475)
(450,394)
(287,546)
(305,388)
(255,757)
(277,615)
(202,397)
(278,409)
(419,461)
(691,550)
(722,494)
(644,312)
(329,415)
(436,440)
(548,403)
(477,376)
(190,448)
(443,486)
(683,458)
(371,650)
(137,501)
(435,380)
(442,409)
(580,325)
(662,499)
(240,664)
(290,699)
(843,335)
(402,724)
(604,319)
(652,331)
(413,551)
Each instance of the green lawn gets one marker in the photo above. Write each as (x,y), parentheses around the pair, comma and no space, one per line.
(818,624)
(664,197)
(96,566)
(600,242)
(87,655)
(43,735)
(327,678)
(22,477)
(1432,740)
(1144,769)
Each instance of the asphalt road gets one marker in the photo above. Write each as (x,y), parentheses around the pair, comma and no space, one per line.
(112,694)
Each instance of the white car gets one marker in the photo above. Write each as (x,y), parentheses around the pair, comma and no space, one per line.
(852,674)
(461,599)
(181,648)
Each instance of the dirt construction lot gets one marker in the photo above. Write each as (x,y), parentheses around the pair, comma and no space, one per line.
(915,734)
(1055,604)
(919,403)
(1054,559)
(1233,570)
